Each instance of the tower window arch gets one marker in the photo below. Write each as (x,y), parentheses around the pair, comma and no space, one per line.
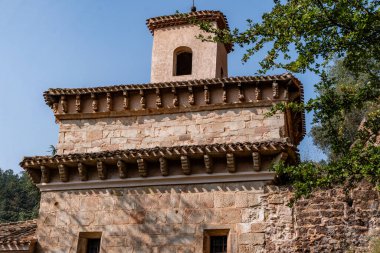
(183,61)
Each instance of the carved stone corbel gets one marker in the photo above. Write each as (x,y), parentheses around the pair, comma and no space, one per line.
(175,97)
(141,164)
(286,90)
(82,172)
(275,88)
(208,164)
(142,99)
(63,173)
(125,100)
(64,104)
(34,175)
(77,104)
(258,93)
(95,103)
(122,167)
(45,175)
(55,108)
(224,98)
(164,166)
(281,157)
(191,96)
(231,166)
(102,170)
(207,94)
(256,161)
(241,93)
(109,101)
(158,98)
(185,163)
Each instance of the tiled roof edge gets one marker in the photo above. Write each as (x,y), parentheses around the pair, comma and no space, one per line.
(123,87)
(272,145)
(182,18)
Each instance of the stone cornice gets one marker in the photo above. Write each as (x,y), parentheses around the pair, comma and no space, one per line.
(147,163)
(158,181)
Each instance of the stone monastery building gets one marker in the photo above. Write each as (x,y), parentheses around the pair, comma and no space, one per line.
(179,165)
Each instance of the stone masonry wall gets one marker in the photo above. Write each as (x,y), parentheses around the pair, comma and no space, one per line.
(156,219)
(173,219)
(207,127)
(329,221)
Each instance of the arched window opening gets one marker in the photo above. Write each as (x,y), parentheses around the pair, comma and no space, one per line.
(183,59)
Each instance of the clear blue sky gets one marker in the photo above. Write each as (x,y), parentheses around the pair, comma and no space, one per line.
(54,43)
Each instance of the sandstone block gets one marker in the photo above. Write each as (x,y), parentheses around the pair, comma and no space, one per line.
(258,227)
(241,199)
(250,215)
(224,200)
(92,135)
(194,216)
(120,249)
(174,216)
(230,215)
(89,203)
(85,218)
(252,238)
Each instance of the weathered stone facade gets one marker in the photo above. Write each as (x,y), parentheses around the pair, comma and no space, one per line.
(207,127)
(159,219)
(153,168)
(173,219)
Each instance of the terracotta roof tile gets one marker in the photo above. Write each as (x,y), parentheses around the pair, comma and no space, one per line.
(200,82)
(16,234)
(183,18)
(29,162)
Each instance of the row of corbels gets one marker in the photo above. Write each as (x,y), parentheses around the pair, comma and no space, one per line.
(142,167)
(159,104)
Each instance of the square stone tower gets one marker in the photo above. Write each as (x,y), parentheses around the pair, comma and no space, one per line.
(179,55)
(176,165)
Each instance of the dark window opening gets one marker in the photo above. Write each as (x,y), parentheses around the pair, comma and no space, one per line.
(221,72)
(184,63)
(216,241)
(89,242)
(93,246)
(218,244)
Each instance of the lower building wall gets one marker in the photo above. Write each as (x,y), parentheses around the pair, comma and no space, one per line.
(176,218)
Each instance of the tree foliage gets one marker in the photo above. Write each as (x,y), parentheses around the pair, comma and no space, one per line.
(19,197)
(316,30)
(344,99)
(308,35)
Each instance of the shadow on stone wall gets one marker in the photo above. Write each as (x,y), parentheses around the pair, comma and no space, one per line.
(173,218)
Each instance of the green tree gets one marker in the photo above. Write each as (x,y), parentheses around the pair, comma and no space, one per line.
(19,198)
(315,30)
(343,125)
(308,35)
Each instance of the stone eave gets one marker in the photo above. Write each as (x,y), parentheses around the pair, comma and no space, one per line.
(18,236)
(122,162)
(51,94)
(114,101)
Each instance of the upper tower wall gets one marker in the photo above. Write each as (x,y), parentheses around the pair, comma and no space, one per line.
(179,55)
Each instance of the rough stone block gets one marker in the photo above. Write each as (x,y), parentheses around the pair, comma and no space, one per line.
(252,238)
(224,200)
